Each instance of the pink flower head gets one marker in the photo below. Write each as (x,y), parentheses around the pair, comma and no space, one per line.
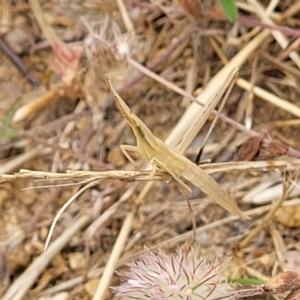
(176,276)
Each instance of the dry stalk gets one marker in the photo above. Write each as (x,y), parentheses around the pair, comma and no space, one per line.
(64,207)
(189,122)
(280,247)
(266,219)
(105,216)
(114,257)
(259,92)
(20,160)
(141,175)
(269,97)
(279,37)
(85,175)
(125,16)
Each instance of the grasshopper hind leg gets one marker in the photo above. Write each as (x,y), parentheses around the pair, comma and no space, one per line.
(176,178)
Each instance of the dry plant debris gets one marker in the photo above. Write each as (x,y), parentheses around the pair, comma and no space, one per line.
(170,61)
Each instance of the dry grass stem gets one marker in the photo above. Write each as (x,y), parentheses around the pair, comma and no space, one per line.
(279,246)
(64,207)
(100,221)
(190,120)
(267,96)
(266,219)
(259,92)
(288,164)
(125,16)
(73,175)
(20,160)
(35,106)
(280,38)
(113,259)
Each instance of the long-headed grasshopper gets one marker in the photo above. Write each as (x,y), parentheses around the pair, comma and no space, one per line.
(155,151)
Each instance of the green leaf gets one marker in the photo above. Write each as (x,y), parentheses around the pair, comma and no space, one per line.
(252,281)
(6,131)
(230,9)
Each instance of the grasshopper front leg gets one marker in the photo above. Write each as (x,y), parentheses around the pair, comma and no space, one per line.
(125,149)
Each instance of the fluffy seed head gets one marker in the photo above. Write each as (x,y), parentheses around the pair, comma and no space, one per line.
(174,277)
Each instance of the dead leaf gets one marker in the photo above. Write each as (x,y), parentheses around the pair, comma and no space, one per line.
(283,282)
(192,7)
(272,150)
(249,149)
(201,10)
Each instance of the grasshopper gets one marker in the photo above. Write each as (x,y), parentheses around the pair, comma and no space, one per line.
(153,150)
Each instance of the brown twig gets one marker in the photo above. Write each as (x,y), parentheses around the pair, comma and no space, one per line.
(257,23)
(18,62)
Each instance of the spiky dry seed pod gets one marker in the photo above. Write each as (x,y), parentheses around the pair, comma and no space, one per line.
(103,47)
(176,276)
(202,10)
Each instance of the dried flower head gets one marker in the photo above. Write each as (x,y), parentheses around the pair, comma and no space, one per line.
(104,45)
(176,276)
(107,42)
